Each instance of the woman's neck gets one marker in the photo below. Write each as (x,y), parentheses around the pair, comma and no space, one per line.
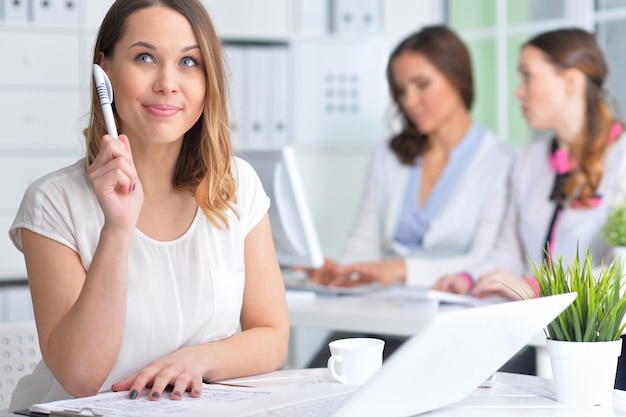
(451,133)
(156,166)
(570,125)
(567,135)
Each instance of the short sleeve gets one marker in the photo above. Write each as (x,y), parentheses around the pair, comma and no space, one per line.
(253,201)
(45,210)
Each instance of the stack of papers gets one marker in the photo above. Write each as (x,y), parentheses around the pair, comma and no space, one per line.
(215,398)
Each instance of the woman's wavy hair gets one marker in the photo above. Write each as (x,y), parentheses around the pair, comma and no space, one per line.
(445,50)
(204,163)
(575,48)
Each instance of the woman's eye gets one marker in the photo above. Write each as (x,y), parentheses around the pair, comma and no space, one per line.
(423,85)
(144,58)
(188,62)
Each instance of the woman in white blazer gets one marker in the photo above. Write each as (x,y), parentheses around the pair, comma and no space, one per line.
(561,187)
(435,194)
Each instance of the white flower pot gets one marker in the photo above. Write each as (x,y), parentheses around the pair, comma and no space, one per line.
(584,372)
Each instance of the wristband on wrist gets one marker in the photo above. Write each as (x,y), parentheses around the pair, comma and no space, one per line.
(468,278)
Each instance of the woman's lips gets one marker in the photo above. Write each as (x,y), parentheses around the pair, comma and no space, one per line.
(162,110)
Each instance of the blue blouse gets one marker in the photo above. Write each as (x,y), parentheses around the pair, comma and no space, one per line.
(414,222)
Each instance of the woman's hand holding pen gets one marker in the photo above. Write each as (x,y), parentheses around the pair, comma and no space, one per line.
(116,184)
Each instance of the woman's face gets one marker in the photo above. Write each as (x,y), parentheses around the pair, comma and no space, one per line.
(542,90)
(157,76)
(424,94)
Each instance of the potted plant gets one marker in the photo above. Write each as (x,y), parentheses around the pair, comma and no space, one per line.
(614,230)
(584,340)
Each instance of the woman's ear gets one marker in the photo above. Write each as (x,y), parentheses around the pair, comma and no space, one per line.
(575,81)
(102,60)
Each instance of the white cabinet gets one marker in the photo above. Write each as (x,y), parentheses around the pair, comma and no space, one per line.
(18,171)
(37,120)
(44,82)
(251,20)
(340,91)
(38,58)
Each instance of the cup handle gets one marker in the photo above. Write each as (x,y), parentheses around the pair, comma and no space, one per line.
(331,368)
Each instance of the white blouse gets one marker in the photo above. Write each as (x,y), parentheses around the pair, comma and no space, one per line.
(181,292)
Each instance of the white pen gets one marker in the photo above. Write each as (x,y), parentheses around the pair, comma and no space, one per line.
(105,93)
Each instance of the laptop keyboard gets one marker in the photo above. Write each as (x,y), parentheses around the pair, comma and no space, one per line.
(320,407)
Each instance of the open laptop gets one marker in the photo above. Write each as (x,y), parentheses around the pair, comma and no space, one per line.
(442,364)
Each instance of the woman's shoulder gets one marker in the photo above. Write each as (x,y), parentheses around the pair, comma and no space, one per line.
(69,178)
(495,149)
(241,166)
(382,155)
(616,154)
(53,203)
(247,179)
(243,171)
(537,149)
(538,145)
(493,142)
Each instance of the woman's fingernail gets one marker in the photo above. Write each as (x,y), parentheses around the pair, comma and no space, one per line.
(134,187)
(133,394)
(155,394)
(196,392)
(176,394)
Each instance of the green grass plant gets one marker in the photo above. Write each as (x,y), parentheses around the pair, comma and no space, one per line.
(597,312)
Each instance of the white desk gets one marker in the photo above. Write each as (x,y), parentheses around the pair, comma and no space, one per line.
(513,395)
(357,314)
(517,395)
(360,314)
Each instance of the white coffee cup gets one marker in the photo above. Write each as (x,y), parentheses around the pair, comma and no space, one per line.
(354,360)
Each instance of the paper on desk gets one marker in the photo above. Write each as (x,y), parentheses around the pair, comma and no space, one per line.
(326,290)
(118,404)
(425,293)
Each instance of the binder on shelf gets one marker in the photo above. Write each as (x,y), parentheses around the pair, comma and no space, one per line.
(257,96)
(343,15)
(279,87)
(313,17)
(368,16)
(356,16)
(235,68)
(15,11)
(56,12)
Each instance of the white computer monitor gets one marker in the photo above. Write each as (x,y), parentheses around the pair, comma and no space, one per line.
(293,229)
